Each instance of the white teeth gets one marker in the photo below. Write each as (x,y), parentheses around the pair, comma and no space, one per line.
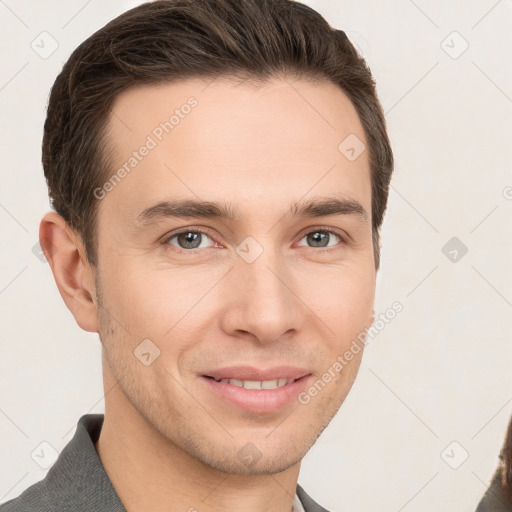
(252,384)
(258,384)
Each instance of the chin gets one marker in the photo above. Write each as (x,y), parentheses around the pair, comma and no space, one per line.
(247,455)
(266,465)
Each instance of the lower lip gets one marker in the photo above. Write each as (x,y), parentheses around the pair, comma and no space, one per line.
(257,400)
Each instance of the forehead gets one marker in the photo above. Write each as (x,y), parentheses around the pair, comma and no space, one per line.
(252,142)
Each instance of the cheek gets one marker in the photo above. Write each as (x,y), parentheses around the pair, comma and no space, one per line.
(155,305)
(343,300)
(347,314)
(129,308)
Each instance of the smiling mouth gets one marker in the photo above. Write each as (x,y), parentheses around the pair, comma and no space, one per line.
(239,387)
(255,384)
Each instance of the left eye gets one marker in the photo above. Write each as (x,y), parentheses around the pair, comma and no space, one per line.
(193,239)
(188,239)
(321,237)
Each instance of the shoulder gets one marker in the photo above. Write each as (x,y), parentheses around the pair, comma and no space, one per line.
(77,480)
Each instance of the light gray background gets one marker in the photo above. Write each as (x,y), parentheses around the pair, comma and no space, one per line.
(439,372)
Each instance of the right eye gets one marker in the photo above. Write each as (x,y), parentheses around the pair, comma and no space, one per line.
(187,240)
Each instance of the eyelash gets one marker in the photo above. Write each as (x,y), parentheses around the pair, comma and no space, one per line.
(332,231)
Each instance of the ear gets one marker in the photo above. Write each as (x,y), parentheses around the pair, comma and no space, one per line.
(72,272)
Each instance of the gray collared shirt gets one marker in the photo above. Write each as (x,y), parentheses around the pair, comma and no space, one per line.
(78,482)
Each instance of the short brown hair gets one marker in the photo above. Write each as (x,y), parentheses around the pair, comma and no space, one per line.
(168,40)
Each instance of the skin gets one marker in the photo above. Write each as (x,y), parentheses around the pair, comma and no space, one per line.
(167,443)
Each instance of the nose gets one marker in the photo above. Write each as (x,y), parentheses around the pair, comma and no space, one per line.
(261,303)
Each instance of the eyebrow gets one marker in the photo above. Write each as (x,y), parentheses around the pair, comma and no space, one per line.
(190,208)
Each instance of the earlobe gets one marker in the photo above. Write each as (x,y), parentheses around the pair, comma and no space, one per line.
(72,272)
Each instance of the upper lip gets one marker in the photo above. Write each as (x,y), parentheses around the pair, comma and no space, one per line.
(252,373)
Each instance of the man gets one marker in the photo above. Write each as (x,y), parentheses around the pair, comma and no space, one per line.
(498,497)
(219,171)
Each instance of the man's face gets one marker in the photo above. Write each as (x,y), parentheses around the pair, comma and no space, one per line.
(261,290)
